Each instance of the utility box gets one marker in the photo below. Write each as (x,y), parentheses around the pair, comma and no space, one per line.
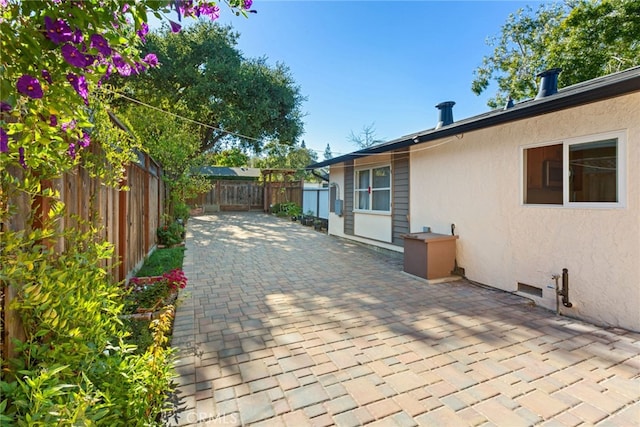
(338,207)
(429,255)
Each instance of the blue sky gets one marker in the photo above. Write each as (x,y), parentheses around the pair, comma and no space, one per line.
(382,62)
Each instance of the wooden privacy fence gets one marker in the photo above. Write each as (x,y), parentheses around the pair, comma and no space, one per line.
(281,186)
(126,219)
(277,186)
(282,192)
(232,195)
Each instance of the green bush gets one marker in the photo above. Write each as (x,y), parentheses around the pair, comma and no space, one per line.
(181,212)
(74,367)
(170,234)
(144,294)
(275,208)
(289,209)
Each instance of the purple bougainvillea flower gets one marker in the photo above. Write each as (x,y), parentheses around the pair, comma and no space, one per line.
(5,108)
(71,151)
(210,10)
(58,31)
(30,86)
(21,158)
(123,68)
(4,141)
(175,27)
(143,31)
(125,7)
(74,57)
(140,67)
(68,125)
(247,4)
(184,8)
(151,60)
(79,83)
(85,140)
(77,37)
(101,44)
(46,76)
(53,120)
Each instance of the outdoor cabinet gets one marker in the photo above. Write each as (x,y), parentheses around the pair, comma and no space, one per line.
(429,255)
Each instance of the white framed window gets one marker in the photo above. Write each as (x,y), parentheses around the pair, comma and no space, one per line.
(587,171)
(373,189)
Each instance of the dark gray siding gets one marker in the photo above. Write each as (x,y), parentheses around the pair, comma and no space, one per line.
(399,221)
(348,197)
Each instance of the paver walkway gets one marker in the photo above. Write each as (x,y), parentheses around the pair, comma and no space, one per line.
(285,326)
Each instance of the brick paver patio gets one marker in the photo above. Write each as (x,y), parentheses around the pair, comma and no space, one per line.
(284,326)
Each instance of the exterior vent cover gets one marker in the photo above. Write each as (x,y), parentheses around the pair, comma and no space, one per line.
(528,289)
(445,116)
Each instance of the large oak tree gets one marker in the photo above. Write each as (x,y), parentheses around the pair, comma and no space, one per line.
(237,101)
(586,38)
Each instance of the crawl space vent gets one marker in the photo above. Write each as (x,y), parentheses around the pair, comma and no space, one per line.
(528,289)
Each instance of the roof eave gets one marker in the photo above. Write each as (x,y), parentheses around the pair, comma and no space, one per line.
(570,97)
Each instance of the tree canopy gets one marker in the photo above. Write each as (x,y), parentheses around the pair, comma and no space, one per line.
(237,101)
(231,157)
(327,153)
(279,156)
(586,38)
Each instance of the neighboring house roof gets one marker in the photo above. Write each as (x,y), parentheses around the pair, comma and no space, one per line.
(593,90)
(228,172)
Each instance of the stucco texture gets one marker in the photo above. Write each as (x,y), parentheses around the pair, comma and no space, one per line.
(474,181)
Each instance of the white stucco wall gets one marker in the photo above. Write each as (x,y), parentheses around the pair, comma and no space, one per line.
(373,226)
(474,181)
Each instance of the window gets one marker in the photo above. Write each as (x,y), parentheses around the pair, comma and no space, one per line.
(373,189)
(593,171)
(585,171)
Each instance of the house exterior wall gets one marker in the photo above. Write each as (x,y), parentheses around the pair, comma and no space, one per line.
(349,224)
(475,181)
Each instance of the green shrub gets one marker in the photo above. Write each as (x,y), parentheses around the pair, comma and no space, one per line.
(289,209)
(74,367)
(181,212)
(170,234)
(151,295)
(140,334)
(276,208)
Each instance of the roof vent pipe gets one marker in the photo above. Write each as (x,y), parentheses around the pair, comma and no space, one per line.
(509,103)
(548,82)
(445,117)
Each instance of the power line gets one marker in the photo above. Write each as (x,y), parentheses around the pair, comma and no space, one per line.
(178,116)
(415,150)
